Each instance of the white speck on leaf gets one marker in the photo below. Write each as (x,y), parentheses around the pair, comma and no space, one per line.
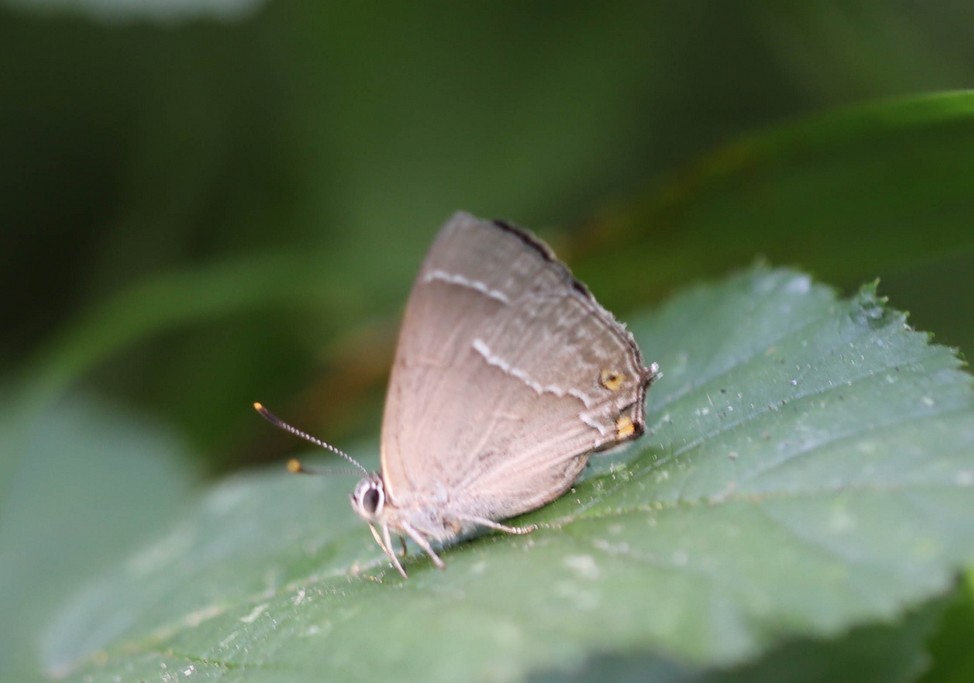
(162,553)
(840,520)
(583,566)
(225,643)
(801,284)
(611,548)
(581,599)
(254,613)
(197,617)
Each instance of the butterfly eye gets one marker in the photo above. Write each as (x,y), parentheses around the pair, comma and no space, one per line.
(372,500)
(369,497)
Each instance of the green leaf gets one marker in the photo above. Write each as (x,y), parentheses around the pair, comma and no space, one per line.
(953,661)
(90,481)
(808,472)
(877,653)
(841,193)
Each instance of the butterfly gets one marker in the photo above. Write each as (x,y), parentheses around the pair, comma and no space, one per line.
(507,375)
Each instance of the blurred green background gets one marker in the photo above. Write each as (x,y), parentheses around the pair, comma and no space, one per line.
(206,203)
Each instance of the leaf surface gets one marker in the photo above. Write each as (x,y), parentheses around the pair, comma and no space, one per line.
(808,471)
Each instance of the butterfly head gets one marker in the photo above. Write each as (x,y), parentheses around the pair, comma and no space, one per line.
(369,498)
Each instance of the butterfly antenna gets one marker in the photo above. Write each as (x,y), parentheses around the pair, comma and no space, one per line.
(295,466)
(281,424)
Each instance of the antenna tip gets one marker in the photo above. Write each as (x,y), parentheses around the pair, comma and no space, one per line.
(268,415)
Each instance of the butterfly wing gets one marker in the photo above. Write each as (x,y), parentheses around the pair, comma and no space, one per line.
(507,370)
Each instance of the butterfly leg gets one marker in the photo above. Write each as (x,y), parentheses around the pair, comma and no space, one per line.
(497,526)
(424,544)
(385,542)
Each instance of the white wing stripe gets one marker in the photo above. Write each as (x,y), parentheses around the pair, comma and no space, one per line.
(476,285)
(480,346)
